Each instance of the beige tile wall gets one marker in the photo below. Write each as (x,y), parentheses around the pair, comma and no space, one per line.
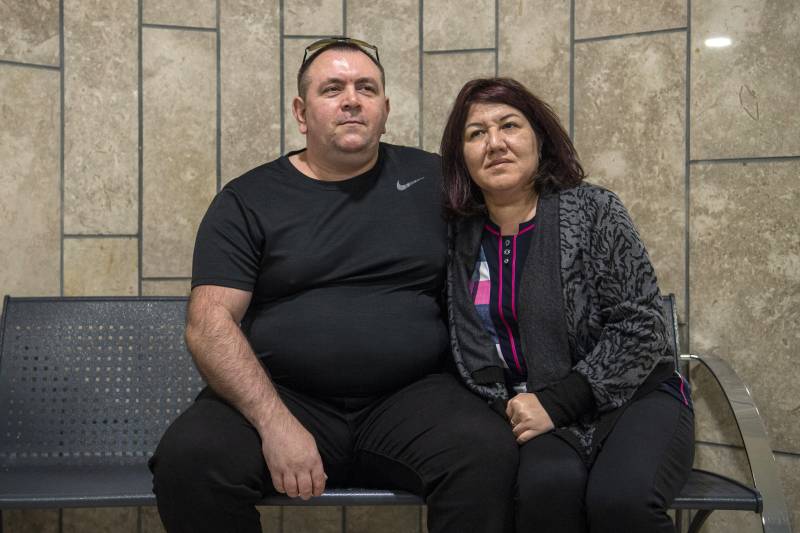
(120,119)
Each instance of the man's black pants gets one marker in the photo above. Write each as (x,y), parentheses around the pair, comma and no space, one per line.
(433,438)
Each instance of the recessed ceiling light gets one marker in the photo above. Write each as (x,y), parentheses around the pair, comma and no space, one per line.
(718,42)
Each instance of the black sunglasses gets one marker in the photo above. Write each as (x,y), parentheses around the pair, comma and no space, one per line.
(369,49)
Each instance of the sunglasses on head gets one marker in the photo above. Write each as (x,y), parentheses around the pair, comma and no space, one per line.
(369,49)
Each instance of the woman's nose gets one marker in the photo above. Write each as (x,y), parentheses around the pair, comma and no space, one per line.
(494,140)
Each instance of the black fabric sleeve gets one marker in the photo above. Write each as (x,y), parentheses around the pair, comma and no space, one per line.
(227,251)
(568,399)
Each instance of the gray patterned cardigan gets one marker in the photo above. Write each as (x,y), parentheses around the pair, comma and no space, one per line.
(590,346)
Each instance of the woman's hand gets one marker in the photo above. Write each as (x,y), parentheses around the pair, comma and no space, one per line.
(528,417)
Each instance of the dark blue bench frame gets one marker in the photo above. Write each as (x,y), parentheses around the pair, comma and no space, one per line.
(87,386)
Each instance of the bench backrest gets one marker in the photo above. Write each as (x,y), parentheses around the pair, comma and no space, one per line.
(88,381)
(91,381)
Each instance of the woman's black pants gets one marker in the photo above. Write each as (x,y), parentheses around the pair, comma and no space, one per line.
(639,470)
(433,438)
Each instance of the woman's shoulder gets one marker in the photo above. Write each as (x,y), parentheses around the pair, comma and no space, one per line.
(588,193)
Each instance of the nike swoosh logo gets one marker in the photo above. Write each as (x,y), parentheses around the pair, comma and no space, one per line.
(403,186)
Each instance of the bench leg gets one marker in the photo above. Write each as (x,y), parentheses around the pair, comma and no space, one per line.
(699,520)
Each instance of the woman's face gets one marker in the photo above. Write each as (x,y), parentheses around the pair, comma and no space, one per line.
(500,150)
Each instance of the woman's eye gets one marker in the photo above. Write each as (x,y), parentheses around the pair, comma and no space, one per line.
(509,125)
(475,134)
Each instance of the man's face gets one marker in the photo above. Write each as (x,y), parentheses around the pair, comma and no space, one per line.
(345,107)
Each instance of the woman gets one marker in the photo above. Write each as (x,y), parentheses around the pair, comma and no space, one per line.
(555,318)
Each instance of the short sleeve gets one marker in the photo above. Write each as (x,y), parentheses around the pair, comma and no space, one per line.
(227,250)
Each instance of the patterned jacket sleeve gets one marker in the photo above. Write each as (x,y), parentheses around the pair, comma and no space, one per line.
(628,321)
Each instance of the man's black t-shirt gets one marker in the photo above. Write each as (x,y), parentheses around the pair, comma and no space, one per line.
(346,276)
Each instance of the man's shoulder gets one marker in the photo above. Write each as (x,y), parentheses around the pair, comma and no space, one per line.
(398,151)
(411,159)
(260,176)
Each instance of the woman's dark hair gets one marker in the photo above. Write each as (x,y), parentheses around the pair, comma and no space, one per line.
(559,167)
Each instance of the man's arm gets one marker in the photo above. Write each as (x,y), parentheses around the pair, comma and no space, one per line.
(228,364)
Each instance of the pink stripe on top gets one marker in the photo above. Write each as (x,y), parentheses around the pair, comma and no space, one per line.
(514,273)
(500,302)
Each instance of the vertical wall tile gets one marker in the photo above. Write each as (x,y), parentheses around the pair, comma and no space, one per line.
(393,26)
(29,32)
(101,117)
(100,520)
(30,520)
(730,462)
(30,213)
(101,267)
(401,519)
(313,17)
(196,13)
(745,275)
(250,86)
(175,287)
(271,518)
(151,522)
(292,57)
(629,132)
(454,25)
(537,59)
(789,467)
(445,74)
(179,145)
(744,96)
(312,519)
(597,18)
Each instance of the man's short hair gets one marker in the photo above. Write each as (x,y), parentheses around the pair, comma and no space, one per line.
(303,81)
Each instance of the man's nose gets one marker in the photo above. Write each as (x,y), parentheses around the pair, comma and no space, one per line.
(350,98)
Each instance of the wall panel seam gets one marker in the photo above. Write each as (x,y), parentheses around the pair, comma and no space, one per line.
(572,70)
(282,75)
(23,64)
(754,159)
(178,27)
(676,29)
(687,176)
(219,100)
(459,51)
(140,80)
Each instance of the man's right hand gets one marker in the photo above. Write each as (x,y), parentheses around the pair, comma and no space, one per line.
(292,457)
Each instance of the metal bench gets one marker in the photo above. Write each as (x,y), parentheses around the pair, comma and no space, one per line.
(88,386)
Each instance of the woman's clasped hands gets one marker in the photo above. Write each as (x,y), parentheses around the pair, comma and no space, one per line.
(527,416)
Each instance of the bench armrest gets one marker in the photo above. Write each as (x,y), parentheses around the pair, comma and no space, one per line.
(775,514)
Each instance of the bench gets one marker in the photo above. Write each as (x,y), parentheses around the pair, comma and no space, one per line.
(88,386)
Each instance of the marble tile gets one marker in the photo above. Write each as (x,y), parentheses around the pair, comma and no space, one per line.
(598,18)
(250,84)
(101,267)
(195,13)
(30,520)
(393,519)
(30,212)
(292,57)
(424,519)
(100,520)
(743,97)
(629,132)
(29,32)
(151,522)
(172,287)
(713,418)
(537,59)
(271,519)
(454,25)
(789,467)
(313,17)
(444,75)
(745,275)
(730,462)
(393,26)
(101,117)
(312,519)
(179,73)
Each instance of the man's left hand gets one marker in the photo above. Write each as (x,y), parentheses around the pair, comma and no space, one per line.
(528,417)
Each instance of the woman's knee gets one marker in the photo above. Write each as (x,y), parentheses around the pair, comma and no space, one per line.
(550,470)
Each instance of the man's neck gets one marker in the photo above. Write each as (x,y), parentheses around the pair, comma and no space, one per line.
(326,168)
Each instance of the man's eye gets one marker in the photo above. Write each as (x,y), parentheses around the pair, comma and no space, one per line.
(368,88)
(330,89)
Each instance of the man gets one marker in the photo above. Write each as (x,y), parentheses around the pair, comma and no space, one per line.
(324,268)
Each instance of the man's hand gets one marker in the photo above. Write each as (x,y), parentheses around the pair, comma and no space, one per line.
(528,417)
(292,457)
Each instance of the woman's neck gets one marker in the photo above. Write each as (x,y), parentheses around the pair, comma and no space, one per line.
(510,213)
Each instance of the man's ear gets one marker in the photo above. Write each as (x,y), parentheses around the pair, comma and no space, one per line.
(299,112)
(388,108)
